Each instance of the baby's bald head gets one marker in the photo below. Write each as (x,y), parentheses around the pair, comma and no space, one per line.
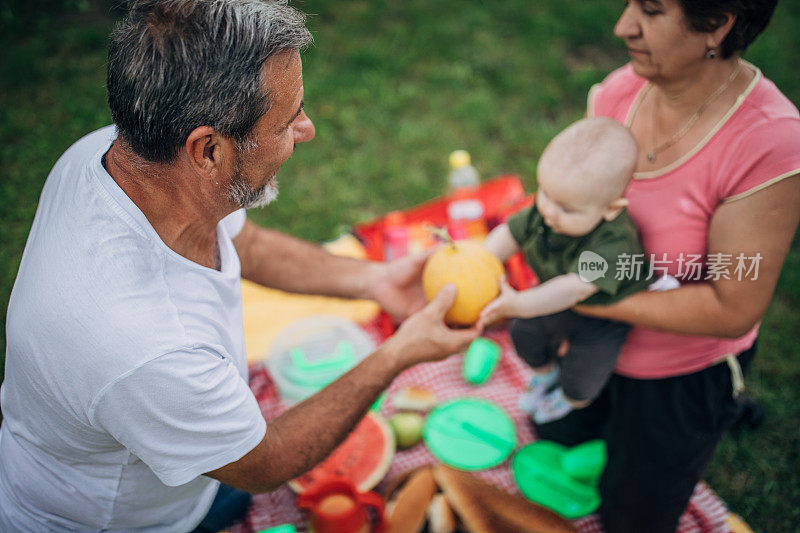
(594,157)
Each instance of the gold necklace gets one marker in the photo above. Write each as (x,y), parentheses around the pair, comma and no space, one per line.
(651,155)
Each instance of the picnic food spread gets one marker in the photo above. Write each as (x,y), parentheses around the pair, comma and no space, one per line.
(445,500)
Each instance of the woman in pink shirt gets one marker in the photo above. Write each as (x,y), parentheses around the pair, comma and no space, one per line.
(716,197)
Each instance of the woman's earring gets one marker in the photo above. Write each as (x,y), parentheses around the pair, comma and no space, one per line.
(711,54)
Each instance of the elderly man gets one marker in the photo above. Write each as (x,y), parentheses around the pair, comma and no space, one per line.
(126,399)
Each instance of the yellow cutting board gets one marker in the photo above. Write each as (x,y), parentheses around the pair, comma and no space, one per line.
(267,311)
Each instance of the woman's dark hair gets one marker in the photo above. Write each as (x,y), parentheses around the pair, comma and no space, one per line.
(752,16)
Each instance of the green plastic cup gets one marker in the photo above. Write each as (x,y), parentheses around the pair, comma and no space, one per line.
(480,360)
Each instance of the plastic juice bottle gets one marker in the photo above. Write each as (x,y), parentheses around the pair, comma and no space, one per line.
(464,212)
(462,173)
(467,212)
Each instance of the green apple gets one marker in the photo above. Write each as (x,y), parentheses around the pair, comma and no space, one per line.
(407,429)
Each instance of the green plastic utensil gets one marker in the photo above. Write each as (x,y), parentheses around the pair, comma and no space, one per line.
(285,528)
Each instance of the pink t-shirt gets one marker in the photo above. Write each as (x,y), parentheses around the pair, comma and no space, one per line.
(755,145)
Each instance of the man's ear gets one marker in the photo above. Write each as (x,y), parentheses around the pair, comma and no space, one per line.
(615,208)
(209,153)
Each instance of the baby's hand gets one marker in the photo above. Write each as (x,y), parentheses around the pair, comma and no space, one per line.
(501,307)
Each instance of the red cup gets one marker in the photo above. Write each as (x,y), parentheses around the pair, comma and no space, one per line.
(336,506)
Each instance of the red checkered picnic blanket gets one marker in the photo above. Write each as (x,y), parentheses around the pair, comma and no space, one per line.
(705,513)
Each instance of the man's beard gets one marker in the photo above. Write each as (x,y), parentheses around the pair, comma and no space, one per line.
(247,198)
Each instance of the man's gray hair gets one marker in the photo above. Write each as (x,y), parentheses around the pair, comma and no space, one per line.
(175,65)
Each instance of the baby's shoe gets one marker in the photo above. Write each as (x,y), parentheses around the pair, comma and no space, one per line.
(537,387)
(551,407)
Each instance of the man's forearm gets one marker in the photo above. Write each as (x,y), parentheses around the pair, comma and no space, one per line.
(305,434)
(280,261)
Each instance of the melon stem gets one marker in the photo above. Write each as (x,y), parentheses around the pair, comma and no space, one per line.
(442,234)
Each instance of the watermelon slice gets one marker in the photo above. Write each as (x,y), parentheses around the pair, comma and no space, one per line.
(363,458)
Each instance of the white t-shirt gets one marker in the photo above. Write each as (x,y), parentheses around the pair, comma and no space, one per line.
(126,376)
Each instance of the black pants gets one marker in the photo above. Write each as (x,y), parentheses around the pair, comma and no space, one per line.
(594,345)
(661,435)
(229,506)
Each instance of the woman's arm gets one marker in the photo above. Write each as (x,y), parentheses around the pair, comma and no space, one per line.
(763,223)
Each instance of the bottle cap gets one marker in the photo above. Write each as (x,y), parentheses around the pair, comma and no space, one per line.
(459,158)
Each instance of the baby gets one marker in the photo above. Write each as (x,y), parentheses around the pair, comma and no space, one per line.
(576,238)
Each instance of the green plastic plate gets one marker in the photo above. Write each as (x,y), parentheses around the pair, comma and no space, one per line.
(470,434)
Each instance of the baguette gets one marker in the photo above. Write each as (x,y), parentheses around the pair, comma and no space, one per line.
(408,509)
(484,508)
(440,516)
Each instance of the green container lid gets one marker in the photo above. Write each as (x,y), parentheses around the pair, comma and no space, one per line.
(480,360)
(470,434)
(310,353)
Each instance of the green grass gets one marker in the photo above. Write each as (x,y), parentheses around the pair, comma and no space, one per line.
(393,87)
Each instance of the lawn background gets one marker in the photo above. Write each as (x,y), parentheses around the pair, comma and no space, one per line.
(393,87)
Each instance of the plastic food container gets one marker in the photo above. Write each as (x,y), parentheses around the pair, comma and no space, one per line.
(310,353)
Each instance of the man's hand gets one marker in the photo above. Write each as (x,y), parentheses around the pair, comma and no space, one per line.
(425,337)
(397,285)
(504,306)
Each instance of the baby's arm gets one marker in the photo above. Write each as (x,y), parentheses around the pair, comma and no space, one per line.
(501,243)
(552,296)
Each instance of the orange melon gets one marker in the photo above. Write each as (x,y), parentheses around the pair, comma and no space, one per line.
(475,272)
